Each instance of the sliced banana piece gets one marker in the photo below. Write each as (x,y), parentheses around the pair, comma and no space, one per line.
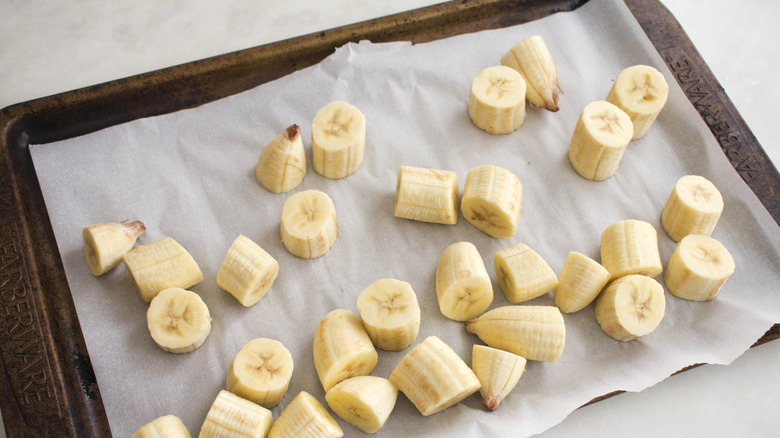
(390,313)
(581,280)
(282,163)
(698,268)
(160,265)
(630,247)
(498,372)
(338,135)
(305,417)
(309,226)
(433,377)
(523,274)
(261,372)
(105,243)
(178,320)
(463,286)
(533,332)
(492,197)
(497,100)
(363,401)
(426,195)
(641,92)
(693,207)
(342,348)
(168,426)
(630,307)
(532,59)
(231,416)
(599,140)
(247,272)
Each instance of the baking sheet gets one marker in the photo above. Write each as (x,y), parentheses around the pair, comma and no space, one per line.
(190,175)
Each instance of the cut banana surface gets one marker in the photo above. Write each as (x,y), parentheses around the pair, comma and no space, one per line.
(363,401)
(492,197)
(497,100)
(698,268)
(390,313)
(342,348)
(630,307)
(338,135)
(106,243)
(599,140)
(160,265)
(523,274)
(693,207)
(247,272)
(308,225)
(641,92)
(178,320)
(532,59)
(426,195)
(498,372)
(260,372)
(463,286)
(231,416)
(305,417)
(630,247)
(168,426)
(282,163)
(581,280)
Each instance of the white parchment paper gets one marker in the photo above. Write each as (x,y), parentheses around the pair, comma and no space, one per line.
(190,176)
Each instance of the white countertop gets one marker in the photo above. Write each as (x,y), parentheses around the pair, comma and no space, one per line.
(48,47)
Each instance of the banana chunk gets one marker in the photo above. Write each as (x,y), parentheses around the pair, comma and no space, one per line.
(426,195)
(168,426)
(641,92)
(305,417)
(338,135)
(260,372)
(532,59)
(498,372)
(630,307)
(581,280)
(492,197)
(497,100)
(693,207)
(630,247)
(523,274)
(160,265)
(599,140)
(247,272)
(698,268)
(282,163)
(363,401)
(235,417)
(342,348)
(107,242)
(433,377)
(390,313)
(308,226)
(463,286)
(533,332)
(178,320)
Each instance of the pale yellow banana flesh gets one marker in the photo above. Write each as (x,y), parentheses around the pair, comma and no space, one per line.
(532,59)
(433,377)
(694,207)
(160,265)
(167,426)
(630,307)
(247,271)
(426,195)
(463,286)
(308,225)
(342,348)
(178,320)
(231,416)
(523,274)
(363,401)
(630,247)
(581,280)
(698,268)
(282,163)
(599,140)
(105,243)
(261,372)
(497,100)
(338,140)
(305,417)
(491,201)
(498,372)
(533,332)
(641,91)
(390,313)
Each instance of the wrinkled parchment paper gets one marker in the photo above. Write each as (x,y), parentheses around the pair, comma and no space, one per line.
(190,176)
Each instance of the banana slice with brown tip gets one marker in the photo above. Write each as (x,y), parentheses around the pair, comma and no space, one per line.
(390,313)
(308,225)
(532,59)
(178,320)
(105,243)
(427,195)
(694,207)
(338,135)
(160,265)
(463,286)
(698,268)
(630,307)
(497,100)
(342,348)
(641,91)
(599,140)
(630,247)
(261,372)
(498,372)
(231,416)
(282,163)
(492,198)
